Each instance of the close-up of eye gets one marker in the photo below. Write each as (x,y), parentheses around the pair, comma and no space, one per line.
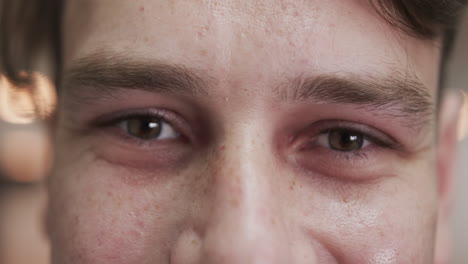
(347,138)
(345,150)
(141,127)
(343,140)
(148,128)
(149,138)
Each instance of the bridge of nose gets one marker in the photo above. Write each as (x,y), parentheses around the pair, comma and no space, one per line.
(242,220)
(246,224)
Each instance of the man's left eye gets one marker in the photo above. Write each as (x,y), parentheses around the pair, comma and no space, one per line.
(343,140)
(148,128)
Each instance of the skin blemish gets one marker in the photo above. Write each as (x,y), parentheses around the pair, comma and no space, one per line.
(203,52)
(291,44)
(292,186)
(142,9)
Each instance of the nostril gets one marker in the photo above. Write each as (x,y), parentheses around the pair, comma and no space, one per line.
(187,249)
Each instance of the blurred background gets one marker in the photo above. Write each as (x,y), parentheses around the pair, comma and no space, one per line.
(458,80)
(26,156)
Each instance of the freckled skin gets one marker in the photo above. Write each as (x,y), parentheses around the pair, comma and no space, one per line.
(238,200)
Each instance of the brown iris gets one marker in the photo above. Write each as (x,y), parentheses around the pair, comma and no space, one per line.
(144,127)
(345,140)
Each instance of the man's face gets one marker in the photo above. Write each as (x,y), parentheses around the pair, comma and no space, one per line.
(243,132)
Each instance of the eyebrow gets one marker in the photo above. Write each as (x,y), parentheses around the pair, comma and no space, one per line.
(402,93)
(105,72)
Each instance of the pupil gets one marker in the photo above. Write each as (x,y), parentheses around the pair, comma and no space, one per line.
(144,128)
(345,140)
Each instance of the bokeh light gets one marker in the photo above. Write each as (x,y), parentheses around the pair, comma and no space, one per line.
(26,104)
(26,151)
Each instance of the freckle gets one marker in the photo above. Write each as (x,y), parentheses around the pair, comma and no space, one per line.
(293,184)
(203,52)
(291,44)
(199,34)
(140,224)
(235,203)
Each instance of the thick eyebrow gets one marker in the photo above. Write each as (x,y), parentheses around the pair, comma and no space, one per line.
(402,93)
(107,72)
(397,94)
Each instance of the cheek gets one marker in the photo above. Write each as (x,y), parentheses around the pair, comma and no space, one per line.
(394,222)
(95,216)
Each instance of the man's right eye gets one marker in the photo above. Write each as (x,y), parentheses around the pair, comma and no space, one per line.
(147,138)
(148,128)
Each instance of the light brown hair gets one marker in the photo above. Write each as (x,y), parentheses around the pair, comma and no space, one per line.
(27,26)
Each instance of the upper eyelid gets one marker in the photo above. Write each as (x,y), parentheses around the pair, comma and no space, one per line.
(115,118)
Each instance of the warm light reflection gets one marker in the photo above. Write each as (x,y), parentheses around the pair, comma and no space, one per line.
(26,104)
(463,127)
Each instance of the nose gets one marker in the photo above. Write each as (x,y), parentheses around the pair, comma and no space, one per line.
(245,222)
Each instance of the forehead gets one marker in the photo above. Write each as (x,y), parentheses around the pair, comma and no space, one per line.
(249,38)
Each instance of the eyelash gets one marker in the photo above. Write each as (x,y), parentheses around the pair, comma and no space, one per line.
(375,139)
(372,139)
(112,121)
(373,136)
